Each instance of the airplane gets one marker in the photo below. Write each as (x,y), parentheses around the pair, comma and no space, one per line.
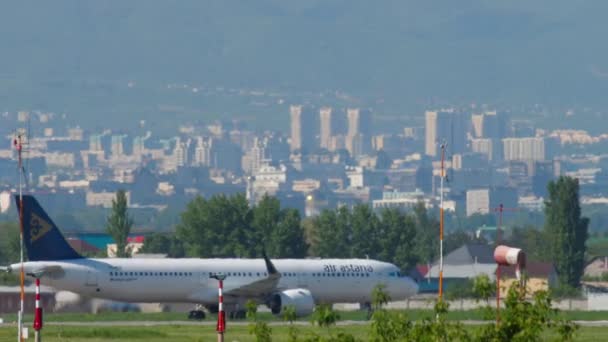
(279,283)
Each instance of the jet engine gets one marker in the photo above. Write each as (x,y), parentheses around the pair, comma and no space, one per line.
(300,299)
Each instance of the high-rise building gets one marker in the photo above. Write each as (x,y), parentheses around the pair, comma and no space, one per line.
(493,126)
(182,152)
(358,137)
(359,122)
(302,128)
(327,127)
(525,149)
(118,145)
(254,158)
(447,125)
(202,152)
(483,146)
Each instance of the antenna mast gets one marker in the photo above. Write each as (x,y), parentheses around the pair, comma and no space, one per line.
(18,143)
(441,222)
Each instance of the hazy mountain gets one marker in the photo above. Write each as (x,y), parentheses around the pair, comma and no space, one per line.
(77,54)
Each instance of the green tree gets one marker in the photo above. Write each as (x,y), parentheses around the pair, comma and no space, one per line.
(9,242)
(483,288)
(566,231)
(380,297)
(266,216)
(531,240)
(332,232)
(456,239)
(427,234)
(397,233)
(289,315)
(324,316)
(119,224)
(163,243)
(365,238)
(523,320)
(218,227)
(261,330)
(287,240)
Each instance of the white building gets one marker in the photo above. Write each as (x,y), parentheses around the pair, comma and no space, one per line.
(524,149)
(478,201)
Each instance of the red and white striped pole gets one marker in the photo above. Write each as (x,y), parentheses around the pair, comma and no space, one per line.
(221,315)
(38,313)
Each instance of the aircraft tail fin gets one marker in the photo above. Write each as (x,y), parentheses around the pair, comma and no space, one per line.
(42,239)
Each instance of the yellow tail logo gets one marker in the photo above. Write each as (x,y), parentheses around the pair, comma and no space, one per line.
(38,227)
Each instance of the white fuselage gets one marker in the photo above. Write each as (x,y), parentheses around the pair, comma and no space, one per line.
(188,280)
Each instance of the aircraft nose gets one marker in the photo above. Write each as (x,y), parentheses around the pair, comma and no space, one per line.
(411,286)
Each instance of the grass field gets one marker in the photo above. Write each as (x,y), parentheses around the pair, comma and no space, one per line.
(264,316)
(207,333)
(177,331)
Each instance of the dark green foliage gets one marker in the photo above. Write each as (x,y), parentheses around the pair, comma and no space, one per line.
(523,320)
(380,297)
(332,233)
(397,235)
(531,240)
(289,315)
(218,227)
(261,330)
(288,239)
(119,224)
(456,239)
(226,227)
(566,231)
(9,242)
(427,235)
(404,239)
(391,326)
(483,288)
(459,289)
(324,316)
(365,241)
(165,243)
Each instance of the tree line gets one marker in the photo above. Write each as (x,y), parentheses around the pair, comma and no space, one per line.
(226,226)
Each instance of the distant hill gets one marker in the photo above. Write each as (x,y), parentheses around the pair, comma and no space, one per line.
(78,55)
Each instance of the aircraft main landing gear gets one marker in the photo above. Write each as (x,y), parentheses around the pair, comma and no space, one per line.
(198,315)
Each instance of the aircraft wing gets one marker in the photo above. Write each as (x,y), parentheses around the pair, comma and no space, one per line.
(260,288)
